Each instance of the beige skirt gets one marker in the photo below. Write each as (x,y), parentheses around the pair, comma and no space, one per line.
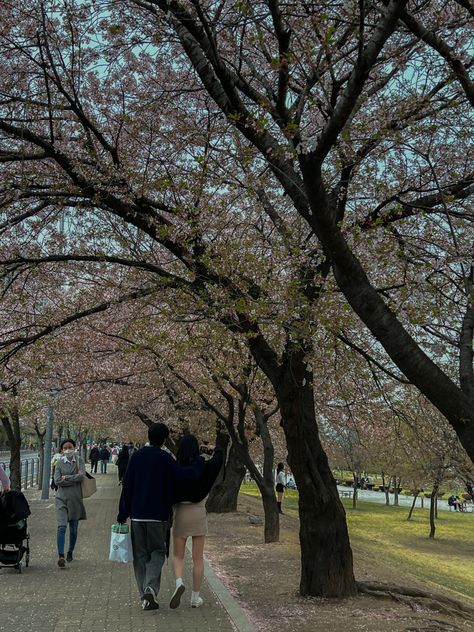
(190,519)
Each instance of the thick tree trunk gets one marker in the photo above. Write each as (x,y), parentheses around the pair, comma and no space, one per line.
(224,495)
(272,518)
(11,423)
(326,555)
(454,403)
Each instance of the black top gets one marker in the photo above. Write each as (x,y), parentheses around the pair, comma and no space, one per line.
(198,489)
(148,491)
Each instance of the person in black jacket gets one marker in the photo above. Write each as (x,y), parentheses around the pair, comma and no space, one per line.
(94,458)
(104,456)
(122,462)
(190,518)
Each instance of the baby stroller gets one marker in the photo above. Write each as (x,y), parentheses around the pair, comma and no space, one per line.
(14,536)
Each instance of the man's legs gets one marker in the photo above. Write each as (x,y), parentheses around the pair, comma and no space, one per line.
(149,552)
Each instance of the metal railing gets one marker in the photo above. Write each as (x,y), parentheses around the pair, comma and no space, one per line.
(29,472)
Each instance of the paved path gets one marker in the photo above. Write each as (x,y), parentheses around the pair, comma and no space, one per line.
(94,595)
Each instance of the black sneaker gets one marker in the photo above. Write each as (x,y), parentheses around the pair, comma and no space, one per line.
(61,561)
(149,600)
(69,556)
(176,596)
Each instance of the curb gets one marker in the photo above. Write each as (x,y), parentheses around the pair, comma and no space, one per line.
(231,606)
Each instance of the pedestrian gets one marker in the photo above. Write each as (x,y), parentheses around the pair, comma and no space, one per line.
(4,481)
(280,485)
(147,498)
(190,519)
(115,453)
(104,456)
(94,458)
(68,475)
(122,463)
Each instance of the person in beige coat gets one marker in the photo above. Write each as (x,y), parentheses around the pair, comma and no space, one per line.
(68,475)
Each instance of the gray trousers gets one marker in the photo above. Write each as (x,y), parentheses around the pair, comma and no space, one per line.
(149,552)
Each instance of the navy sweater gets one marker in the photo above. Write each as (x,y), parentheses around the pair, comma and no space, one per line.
(149,484)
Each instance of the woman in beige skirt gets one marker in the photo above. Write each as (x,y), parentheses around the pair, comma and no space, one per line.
(190,519)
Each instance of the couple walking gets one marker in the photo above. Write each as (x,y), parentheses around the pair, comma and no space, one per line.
(153,484)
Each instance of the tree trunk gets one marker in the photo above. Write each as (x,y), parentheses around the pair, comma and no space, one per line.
(395,490)
(11,423)
(453,402)
(272,518)
(433,501)
(413,505)
(40,435)
(386,489)
(355,488)
(326,555)
(224,495)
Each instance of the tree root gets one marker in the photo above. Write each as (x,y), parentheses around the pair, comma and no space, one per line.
(414,598)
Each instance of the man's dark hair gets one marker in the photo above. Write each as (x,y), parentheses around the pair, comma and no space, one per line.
(157,434)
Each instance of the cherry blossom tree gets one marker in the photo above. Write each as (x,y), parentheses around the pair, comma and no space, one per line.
(210,137)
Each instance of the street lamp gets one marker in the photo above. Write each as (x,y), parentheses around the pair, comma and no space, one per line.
(48,440)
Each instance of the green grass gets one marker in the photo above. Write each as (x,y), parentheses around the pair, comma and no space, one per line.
(384,535)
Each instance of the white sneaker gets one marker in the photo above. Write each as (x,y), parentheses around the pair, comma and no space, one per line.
(176,596)
(197,603)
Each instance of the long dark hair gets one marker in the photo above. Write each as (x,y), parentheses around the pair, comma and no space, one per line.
(280,467)
(188,450)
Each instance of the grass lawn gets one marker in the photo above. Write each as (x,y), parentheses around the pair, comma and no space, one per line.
(384,535)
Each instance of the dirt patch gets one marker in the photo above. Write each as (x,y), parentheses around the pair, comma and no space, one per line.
(264,579)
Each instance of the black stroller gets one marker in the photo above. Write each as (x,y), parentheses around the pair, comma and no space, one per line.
(14,536)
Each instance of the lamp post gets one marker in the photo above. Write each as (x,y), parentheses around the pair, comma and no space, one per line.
(48,439)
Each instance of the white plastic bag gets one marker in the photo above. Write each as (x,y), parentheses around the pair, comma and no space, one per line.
(120,544)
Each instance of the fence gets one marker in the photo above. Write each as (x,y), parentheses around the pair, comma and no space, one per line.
(29,470)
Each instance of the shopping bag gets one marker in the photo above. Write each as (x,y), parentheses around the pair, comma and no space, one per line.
(120,544)
(88,486)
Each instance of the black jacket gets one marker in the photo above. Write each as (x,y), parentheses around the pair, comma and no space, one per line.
(198,489)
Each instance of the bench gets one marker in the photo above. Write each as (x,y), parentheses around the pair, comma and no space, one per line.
(346,494)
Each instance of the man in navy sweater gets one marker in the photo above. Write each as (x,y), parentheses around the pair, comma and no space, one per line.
(147,498)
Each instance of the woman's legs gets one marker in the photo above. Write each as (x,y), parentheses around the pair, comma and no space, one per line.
(73,527)
(60,539)
(198,561)
(179,547)
(279,499)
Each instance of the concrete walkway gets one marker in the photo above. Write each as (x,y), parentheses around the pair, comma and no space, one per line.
(94,595)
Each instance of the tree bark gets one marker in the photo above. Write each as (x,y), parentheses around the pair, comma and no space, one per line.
(432,511)
(395,491)
(355,488)
(40,434)
(224,495)
(11,423)
(386,489)
(410,513)
(326,555)
(454,403)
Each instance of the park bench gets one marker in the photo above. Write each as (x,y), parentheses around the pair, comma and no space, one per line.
(346,494)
